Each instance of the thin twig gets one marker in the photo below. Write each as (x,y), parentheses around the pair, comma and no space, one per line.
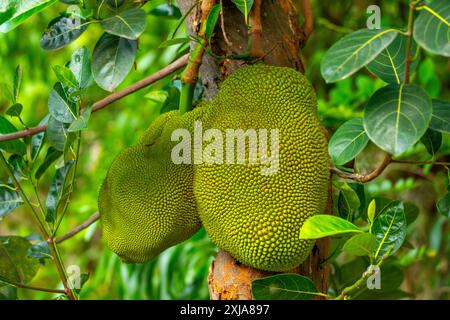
(365,177)
(257,50)
(79,228)
(308,25)
(408,59)
(22,286)
(109,99)
(222,26)
(437,163)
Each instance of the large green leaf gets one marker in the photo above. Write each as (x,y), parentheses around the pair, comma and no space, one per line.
(128,24)
(440,119)
(13,146)
(324,225)
(284,287)
(80,64)
(211,21)
(432,27)
(57,133)
(65,76)
(397,116)
(353,52)
(56,191)
(389,65)
(362,244)
(14,12)
(347,142)
(59,105)
(63,30)
(432,141)
(15,264)
(9,200)
(51,156)
(112,59)
(390,228)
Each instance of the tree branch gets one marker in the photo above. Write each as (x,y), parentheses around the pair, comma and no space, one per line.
(256,50)
(109,99)
(437,163)
(308,25)
(408,59)
(368,177)
(79,228)
(22,286)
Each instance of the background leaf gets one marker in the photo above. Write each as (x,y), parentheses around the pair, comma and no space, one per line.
(51,156)
(354,51)
(9,200)
(432,30)
(80,64)
(432,141)
(57,133)
(60,106)
(324,225)
(128,24)
(82,122)
(389,65)
(244,6)
(362,244)
(56,191)
(13,146)
(112,59)
(62,30)
(15,264)
(65,76)
(443,205)
(211,21)
(397,116)
(284,287)
(347,142)
(440,119)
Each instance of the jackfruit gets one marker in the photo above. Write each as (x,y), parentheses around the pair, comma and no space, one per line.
(253,216)
(146,202)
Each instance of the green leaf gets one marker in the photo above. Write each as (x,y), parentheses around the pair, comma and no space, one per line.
(354,51)
(348,200)
(80,65)
(57,133)
(13,13)
(371,212)
(166,10)
(17,82)
(59,105)
(324,225)
(363,244)
(63,30)
(15,110)
(389,65)
(114,4)
(65,76)
(440,119)
(9,200)
(443,205)
(8,292)
(158,96)
(432,28)
(284,287)
(51,156)
(390,228)
(56,191)
(397,116)
(211,21)
(128,24)
(112,59)
(347,142)
(37,140)
(15,265)
(244,6)
(40,250)
(432,141)
(82,122)
(13,146)
(172,42)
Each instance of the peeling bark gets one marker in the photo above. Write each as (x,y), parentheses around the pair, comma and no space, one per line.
(282,40)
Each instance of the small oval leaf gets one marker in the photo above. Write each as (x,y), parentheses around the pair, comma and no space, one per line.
(347,142)
(362,244)
(63,30)
(128,24)
(397,116)
(284,287)
(9,200)
(59,105)
(80,65)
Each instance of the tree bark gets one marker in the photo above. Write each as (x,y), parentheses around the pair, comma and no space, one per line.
(281,41)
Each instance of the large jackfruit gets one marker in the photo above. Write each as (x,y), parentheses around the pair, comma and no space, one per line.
(253,216)
(146,202)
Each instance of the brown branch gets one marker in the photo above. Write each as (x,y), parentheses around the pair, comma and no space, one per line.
(437,163)
(109,99)
(79,228)
(308,25)
(257,50)
(22,286)
(408,59)
(367,177)
(222,26)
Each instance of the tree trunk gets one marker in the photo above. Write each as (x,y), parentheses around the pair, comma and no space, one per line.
(282,39)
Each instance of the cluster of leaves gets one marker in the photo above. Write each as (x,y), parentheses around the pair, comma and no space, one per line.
(396,117)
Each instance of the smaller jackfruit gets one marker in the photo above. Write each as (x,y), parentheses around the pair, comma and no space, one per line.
(146,202)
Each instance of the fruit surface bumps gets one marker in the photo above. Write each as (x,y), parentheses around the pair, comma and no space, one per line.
(146,202)
(254,217)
